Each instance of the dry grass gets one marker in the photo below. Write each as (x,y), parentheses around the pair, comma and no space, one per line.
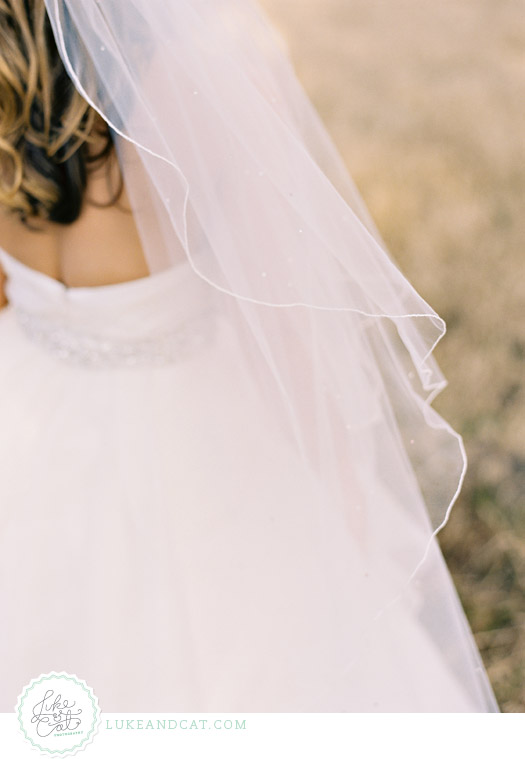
(425,102)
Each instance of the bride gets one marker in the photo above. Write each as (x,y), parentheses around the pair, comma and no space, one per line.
(221,475)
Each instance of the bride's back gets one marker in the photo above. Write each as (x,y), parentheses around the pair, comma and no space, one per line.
(101,247)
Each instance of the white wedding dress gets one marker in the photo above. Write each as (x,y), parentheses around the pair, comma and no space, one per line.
(144,543)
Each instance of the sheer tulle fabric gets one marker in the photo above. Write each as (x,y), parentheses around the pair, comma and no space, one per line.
(231,173)
(162,539)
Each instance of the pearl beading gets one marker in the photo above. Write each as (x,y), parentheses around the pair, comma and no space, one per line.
(95,351)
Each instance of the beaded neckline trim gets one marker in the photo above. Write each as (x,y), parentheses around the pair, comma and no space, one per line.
(96,351)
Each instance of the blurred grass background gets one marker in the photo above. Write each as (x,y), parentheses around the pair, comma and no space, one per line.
(426,102)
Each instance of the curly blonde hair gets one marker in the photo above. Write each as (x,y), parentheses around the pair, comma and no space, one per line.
(46,127)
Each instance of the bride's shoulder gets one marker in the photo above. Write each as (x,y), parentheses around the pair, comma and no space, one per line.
(3,299)
(36,244)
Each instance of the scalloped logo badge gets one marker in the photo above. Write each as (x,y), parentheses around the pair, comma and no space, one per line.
(58,714)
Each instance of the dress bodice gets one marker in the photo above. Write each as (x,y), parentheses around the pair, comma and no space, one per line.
(155,319)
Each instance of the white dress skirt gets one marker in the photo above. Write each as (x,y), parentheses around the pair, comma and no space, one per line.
(155,544)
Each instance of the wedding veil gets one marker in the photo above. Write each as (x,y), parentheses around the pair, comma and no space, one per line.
(229,167)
